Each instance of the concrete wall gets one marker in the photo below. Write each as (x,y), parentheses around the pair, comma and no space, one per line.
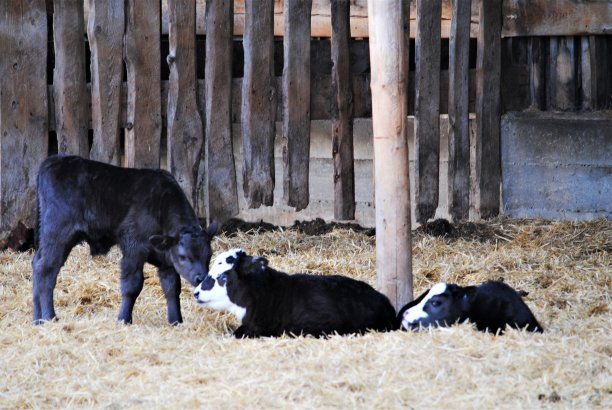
(557,166)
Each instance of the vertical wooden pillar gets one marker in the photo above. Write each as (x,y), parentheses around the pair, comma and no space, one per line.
(105,30)
(427,109)
(222,193)
(562,74)
(69,82)
(342,112)
(458,112)
(23,108)
(535,55)
(487,161)
(296,102)
(590,72)
(258,103)
(185,132)
(389,68)
(142,56)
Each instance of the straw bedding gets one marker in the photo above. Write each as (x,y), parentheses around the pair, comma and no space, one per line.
(86,359)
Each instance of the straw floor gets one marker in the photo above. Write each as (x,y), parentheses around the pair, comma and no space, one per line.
(86,359)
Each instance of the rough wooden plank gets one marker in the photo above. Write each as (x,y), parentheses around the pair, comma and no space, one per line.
(556,18)
(562,74)
(105,32)
(389,117)
(222,198)
(69,82)
(185,133)
(427,109)
(589,69)
(23,109)
(142,56)
(537,77)
(258,104)
(487,175)
(296,103)
(458,113)
(342,113)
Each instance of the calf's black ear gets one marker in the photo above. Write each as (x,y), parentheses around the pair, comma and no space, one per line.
(468,296)
(212,228)
(162,242)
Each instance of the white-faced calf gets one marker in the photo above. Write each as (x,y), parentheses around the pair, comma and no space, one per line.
(272,303)
(491,306)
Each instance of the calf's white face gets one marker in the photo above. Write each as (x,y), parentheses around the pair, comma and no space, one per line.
(212,291)
(437,308)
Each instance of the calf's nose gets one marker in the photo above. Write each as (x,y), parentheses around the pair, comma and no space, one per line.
(196,294)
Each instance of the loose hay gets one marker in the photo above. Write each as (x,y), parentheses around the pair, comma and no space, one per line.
(86,359)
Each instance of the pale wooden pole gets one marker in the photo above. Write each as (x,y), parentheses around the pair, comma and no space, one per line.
(389,69)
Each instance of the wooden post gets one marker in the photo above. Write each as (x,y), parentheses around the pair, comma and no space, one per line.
(590,70)
(487,161)
(427,109)
(562,84)
(69,82)
(222,193)
(458,112)
(105,30)
(185,132)
(296,102)
(389,68)
(142,57)
(342,112)
(258,103)
(23,109)
(535,55)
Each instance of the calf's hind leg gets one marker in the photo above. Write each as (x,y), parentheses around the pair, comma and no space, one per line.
(132,280)
(171,284)
(46,265)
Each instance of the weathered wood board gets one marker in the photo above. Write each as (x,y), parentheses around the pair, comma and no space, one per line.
(142,56)
(105,29)
(23,109)
(557,165)
(258,103)
(220,174)
(296,103)
(69,79)
(342,113)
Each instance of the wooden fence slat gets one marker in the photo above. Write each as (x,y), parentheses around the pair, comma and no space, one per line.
(487,166)
(589,69)
(185,131)
(105,30)
(23,108)
(142,56)
(562,78)
(258,103)
(296,103)
(389,120)
(427,109)
(458,112)
(222,199)
(69,82)
(536,58)
(342,112)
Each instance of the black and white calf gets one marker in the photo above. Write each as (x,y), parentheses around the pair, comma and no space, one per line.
(270,303)
(491,306)
(144,211)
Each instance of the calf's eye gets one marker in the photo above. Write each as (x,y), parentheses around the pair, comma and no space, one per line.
(435,303)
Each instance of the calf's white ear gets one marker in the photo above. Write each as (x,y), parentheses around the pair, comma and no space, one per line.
(162,242)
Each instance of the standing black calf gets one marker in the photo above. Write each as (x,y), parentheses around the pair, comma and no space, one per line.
(270,303)
(144,211)
(491,306)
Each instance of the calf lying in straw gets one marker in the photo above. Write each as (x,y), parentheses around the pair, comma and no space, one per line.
(491,306)
(270,303)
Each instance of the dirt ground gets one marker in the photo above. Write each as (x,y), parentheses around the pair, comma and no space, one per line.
(86,359)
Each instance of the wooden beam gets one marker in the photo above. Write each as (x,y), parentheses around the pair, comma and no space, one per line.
(105,32)
(296,103)
(556,18)
(562,75)
(389,118)
(487,175)
(427,109)
(142,56)
(222,199)
(23,109)
(458,113)
(258,104)
(69,82)
(342,113)
(185,133)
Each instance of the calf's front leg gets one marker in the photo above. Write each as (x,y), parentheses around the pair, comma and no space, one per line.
(132,281)
(171,285)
